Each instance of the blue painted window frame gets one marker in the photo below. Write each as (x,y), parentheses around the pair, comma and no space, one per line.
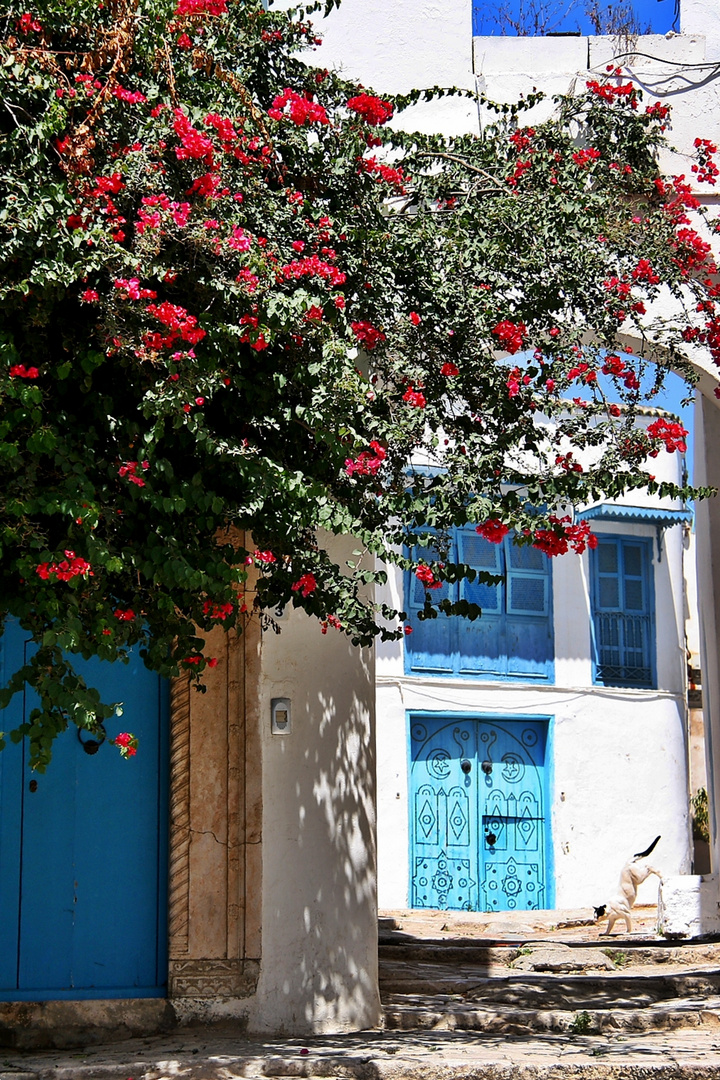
(623,613)
(509,642)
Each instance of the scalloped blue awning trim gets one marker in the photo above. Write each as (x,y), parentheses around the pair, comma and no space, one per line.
(644,515)
(641,515)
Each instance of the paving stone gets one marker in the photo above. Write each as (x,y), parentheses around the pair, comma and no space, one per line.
(555,956)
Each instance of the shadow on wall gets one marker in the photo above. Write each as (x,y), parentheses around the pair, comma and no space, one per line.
(319,966)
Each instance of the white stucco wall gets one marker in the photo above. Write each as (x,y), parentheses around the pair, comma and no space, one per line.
(319,912)
(399,46)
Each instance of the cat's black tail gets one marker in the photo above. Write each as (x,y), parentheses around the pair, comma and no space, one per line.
(646,852)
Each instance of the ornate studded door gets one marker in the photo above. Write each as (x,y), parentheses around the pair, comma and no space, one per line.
(478,829)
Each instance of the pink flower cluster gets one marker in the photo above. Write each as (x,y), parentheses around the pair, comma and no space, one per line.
(149,216)
(193,144)
(426,577)
(28,22)
(373,110)
(133,291)
(510,335)
(368,462)
(177,320)
(71,566)
(201,7)
(130,470)
(313,266)
(300,110)
(254,338)
(644,272)
(126,743)
(608,92)
(707,171)
(132,97)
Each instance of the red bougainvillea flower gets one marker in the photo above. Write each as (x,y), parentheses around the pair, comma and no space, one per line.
(19,371)
(71,566)
(126,743)
(219,612)
(201,7)
(265,557)
(563,535)
(425,575)
(90,296)
(449,369)
(672,434)
(416,398)
(367,334)
(305,584)
(28,22)
(373,110)
(414,318)
(129,470)
(124,615)
(368,462)
(493,530)
(511,335)
(300,110)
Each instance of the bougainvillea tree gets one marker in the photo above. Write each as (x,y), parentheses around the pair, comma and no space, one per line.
(241,312)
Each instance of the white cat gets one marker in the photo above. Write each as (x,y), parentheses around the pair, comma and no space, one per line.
(633,873)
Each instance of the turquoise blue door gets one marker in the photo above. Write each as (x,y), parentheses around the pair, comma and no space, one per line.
(83,870)
(478,825)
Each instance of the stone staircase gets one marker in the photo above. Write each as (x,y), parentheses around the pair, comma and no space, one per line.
(555,981)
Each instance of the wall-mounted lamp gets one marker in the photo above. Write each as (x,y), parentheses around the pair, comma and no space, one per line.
(280,722)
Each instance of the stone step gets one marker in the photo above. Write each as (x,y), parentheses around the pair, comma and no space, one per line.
(415,1012)
(394,948)
(533,991)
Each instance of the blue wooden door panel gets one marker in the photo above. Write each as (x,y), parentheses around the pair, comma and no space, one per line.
(478,828)
(514,784)
(92,854)
(444,845)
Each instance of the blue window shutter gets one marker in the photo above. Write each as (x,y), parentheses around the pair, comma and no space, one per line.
(513,638)
(623,622)
(428,650)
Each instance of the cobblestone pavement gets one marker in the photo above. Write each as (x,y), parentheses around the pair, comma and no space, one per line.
(691,1052)
(694,1054)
